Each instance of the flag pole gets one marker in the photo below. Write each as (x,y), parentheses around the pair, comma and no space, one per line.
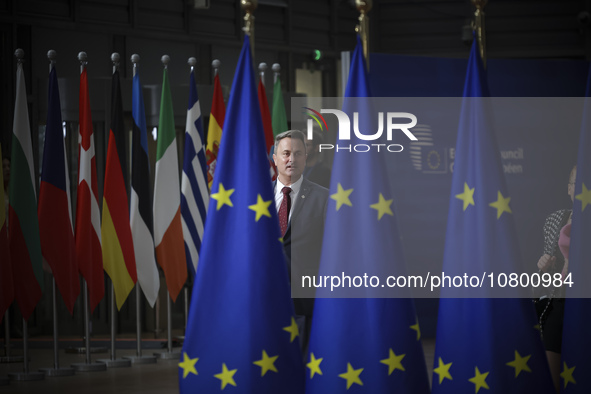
(249,6)
(169,354)
(216,64)
(276,72)
(262,68)
(138,358)
(7,357)
(364,6)
(478,26)
(56,370)
(88,366)
(114,362)
(26,375)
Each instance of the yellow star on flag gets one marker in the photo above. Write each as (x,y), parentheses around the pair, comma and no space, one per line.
(383,207)
(393,362)
(314,365)
(266,363)
(520,363)
(467,196)
(443,371)
(567,375)
(261,208)
(584,197)
(417,329)
(226,376)
(502,204)
(342,196)
(352,376)
(479,380)
(222,197)
(188,365)
(292,329)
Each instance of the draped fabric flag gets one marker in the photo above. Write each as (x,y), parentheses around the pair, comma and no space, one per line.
(363,344)
(575,337)
(267,126)
(88,215)
(140,205)
(194,189)
(23,224)
(118,250)
(214,131)
(279,118)
(168,230)
(266,116)
(241,331)
(58,245)
(6,286)
(483,343)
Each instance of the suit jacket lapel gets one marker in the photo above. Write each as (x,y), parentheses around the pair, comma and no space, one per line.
(302,197)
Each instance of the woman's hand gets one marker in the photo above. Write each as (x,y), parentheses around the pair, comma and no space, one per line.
(546,262)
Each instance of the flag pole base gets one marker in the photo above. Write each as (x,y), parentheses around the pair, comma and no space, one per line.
(57,371)
(168,355)
(4,381)
(92,367)
(26,376)
(81,350)
(11,359)
(117,363)
(142,359)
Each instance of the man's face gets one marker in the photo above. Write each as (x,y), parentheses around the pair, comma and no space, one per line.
(290,160)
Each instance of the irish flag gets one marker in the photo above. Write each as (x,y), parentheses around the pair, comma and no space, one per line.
(23,225)
(168,231)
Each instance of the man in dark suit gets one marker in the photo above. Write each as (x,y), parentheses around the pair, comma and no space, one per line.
(301,206)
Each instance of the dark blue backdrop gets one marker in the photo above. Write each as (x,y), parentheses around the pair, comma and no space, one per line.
(423,188)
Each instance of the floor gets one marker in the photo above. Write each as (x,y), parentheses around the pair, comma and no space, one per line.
(161,377)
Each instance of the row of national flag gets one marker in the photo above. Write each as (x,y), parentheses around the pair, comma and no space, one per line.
(241,329)
(137,230)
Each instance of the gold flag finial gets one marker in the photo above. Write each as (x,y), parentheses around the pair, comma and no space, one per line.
(249,6)
(364,6)
(478,26)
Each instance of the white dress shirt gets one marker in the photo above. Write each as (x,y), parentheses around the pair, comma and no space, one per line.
(295,190)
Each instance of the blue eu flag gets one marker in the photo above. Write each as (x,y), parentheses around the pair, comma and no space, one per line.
(241,334)
(362,345)
(483,344)
(575,335)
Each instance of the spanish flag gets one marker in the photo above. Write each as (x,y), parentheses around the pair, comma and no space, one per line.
(118,253)
(214,131)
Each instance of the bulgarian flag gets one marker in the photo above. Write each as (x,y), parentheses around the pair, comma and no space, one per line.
(55,213)
(214,131)
(6,287)
(23,225)
(118,252)
(168,231)
(88,215)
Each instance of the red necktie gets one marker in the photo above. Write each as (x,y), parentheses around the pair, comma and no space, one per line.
(284,209)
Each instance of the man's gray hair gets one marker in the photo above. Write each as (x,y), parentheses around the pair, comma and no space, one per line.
(297,134)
